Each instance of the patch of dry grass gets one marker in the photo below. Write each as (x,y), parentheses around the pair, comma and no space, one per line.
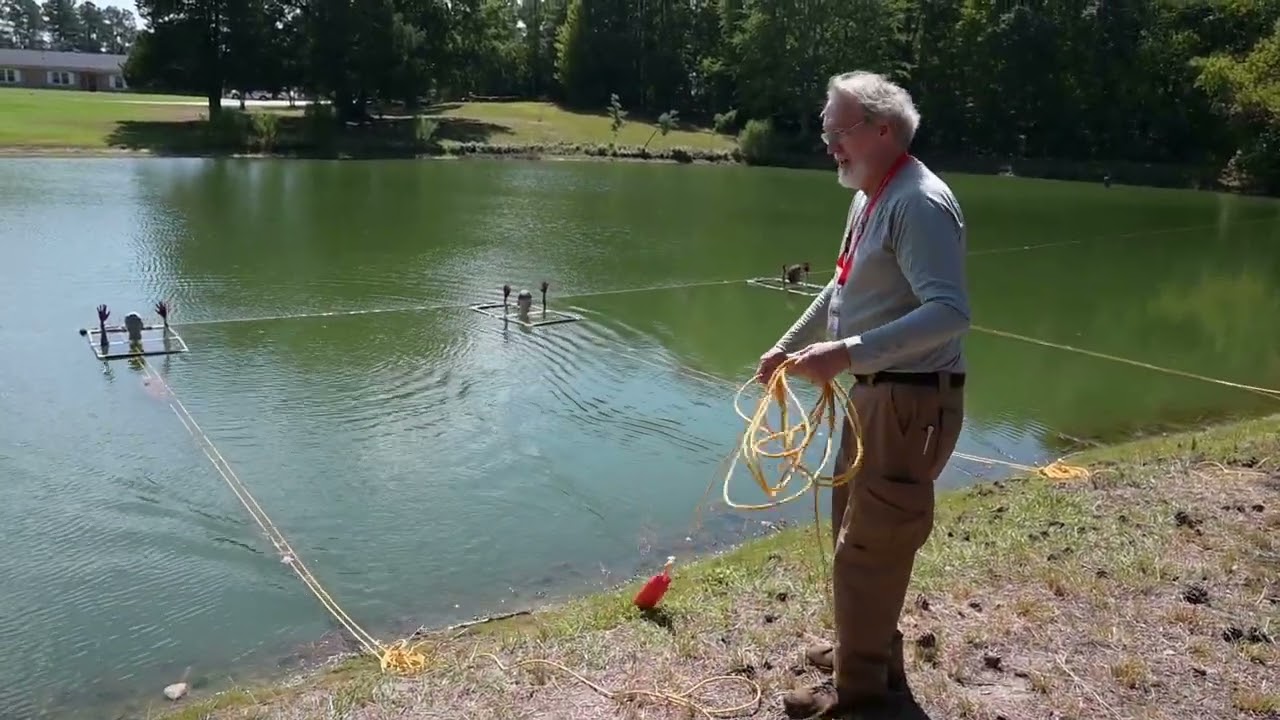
(1151,591)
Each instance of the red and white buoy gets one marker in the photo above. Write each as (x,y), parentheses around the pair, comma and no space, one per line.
(651,594)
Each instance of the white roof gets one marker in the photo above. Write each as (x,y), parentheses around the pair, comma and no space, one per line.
(51,60)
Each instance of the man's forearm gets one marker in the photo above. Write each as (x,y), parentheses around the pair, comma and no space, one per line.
(929,325)
(811,322)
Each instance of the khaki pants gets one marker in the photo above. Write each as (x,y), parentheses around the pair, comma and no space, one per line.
(908,434)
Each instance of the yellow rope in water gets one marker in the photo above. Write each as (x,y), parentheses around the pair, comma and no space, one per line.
(399,657)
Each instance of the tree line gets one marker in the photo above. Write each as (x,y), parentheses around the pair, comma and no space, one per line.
(66,25)
(1173,82)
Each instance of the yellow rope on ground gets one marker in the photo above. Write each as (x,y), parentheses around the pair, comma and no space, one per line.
(400,657)
(1056,470)
(681,699)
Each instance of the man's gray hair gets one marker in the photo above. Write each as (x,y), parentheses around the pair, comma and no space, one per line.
(879,98)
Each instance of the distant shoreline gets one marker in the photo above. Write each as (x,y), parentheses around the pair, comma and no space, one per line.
(1165,177)
(66,123)
(511,152)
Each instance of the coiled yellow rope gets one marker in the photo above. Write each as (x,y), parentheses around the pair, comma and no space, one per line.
(758,433)
(1056,470)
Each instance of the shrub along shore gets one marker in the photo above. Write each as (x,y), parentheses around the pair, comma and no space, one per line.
(1148,590)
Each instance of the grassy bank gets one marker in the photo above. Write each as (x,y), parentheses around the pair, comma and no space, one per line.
(59,122)
(1149,591)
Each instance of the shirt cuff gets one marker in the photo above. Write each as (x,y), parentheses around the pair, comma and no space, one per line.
(857,352)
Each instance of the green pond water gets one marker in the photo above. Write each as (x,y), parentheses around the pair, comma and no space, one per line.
(430,463)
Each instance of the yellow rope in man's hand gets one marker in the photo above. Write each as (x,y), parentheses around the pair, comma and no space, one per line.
(758,434)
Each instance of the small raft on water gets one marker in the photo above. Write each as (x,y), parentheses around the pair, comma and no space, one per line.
(135,338)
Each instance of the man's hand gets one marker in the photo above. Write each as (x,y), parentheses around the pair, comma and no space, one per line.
(821,362)
(769,362)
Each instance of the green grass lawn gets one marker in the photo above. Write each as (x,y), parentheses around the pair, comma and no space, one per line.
(539,123)
(61,119)
(72,119)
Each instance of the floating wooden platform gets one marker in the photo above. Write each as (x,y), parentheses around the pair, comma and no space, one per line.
(537,317)
(773,283)
(155,341)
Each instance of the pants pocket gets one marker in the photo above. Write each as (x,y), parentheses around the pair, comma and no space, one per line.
(890,514)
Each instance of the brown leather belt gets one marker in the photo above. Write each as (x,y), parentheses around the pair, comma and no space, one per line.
(932,379)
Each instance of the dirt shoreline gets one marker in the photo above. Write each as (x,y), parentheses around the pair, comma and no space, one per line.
(1149,590)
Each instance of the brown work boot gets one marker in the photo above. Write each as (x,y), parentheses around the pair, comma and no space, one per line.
(825,701)
(823,655)
(820,700)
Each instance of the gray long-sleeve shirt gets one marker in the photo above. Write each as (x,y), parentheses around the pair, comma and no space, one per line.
(905,306)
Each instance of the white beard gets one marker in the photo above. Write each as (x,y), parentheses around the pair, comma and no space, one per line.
(851,175)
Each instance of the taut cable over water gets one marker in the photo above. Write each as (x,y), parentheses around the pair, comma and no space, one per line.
(398,657)
(1265,392)
(457,306)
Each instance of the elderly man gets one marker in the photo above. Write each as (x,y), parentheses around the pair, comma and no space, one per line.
(895,313)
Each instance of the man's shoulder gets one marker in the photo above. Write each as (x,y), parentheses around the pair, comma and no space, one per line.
(928,193)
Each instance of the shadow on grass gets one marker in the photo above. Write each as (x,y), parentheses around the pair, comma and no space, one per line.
(295,135)
(633,116)
(467,130)
(160,136)
(440,108)
(660,617)
(906,707)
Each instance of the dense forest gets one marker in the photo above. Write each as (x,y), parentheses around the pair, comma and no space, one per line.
(1191,83)
(65,25)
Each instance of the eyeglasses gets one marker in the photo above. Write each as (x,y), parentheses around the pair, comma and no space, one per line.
(833,135)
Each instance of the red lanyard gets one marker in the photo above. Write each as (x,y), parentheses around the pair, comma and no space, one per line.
(844,262)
